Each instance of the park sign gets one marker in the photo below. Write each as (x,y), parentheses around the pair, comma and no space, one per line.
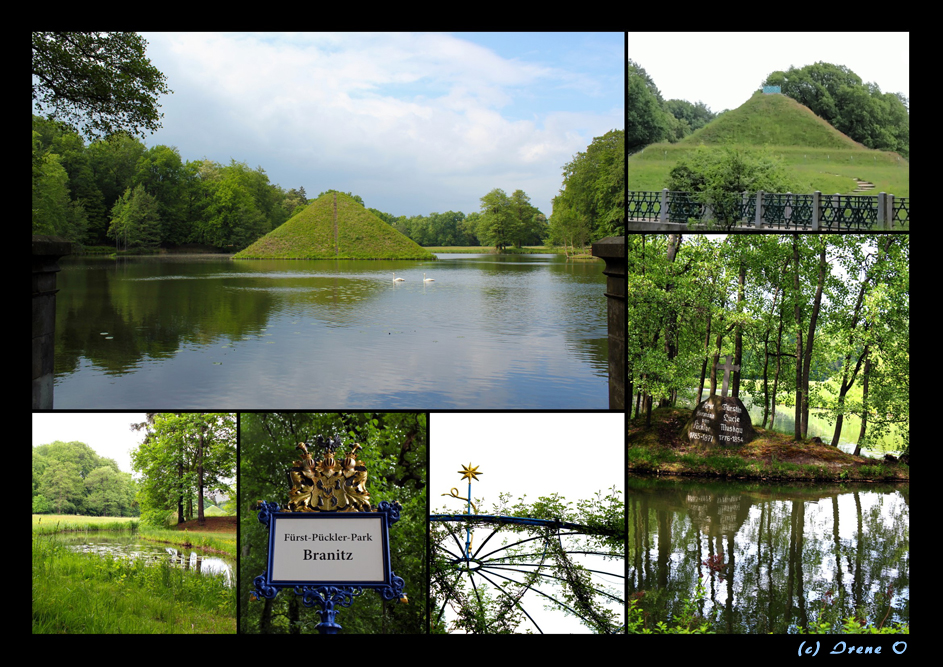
(331,544)
(328,548)
(720,420)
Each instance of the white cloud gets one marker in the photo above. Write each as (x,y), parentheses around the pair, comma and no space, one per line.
(323,108)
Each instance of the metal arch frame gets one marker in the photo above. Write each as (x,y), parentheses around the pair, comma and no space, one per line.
(481,567)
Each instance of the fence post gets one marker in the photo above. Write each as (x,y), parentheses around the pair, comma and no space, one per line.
(816,200)
(882,209)
(759,208)
(663,214)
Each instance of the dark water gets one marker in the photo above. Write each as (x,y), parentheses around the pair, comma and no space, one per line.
(123,545)
(525,331)
(770,557)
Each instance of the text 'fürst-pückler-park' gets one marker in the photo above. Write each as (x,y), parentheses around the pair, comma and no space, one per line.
(328,537)
(337,554)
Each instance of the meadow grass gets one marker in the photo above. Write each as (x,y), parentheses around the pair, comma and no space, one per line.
(46,524)
(830,171)
(85,593)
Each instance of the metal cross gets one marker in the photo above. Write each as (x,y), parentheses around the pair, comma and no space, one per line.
(727,367)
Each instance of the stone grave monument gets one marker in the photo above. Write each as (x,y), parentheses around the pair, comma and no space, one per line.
(720,420)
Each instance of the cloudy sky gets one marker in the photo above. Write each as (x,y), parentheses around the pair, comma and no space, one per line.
(724,69)
(413,123)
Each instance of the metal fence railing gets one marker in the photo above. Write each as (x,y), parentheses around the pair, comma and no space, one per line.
(805,212)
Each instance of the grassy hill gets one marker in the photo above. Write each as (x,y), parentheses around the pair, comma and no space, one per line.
(311,235)
(808,146)
(771,120)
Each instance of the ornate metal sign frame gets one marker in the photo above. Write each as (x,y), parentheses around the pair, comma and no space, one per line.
(387,583)
(332,492)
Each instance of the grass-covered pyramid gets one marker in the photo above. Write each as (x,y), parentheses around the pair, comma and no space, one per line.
(334,226)
(774,120)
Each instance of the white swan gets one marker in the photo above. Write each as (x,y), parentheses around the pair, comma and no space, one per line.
(397,280)
(427,280)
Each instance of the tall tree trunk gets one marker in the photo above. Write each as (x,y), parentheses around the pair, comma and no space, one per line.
(738,336)
(864,405)
(807,362)
(797,431)
(180,517)
(201,519)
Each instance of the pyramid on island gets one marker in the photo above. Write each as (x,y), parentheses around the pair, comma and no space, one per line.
(334,226)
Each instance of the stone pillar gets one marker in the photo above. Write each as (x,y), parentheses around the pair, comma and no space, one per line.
(612,250)
(46,253)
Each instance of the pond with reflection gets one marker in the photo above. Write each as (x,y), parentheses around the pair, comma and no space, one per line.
(492,331)
(132,547)
(772,558)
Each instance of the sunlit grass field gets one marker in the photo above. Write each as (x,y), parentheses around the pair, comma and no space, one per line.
(831,171)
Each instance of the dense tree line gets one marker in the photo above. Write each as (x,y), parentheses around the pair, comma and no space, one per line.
(70,478)
(115,191)
(183,458)
(591,203)
(878,120)
(788,309)
(651,119)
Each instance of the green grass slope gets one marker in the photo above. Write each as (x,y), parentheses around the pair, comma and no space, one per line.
(773,120)
(816,154)
(310,235)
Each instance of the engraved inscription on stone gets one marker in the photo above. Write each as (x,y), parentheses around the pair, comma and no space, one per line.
(720,420)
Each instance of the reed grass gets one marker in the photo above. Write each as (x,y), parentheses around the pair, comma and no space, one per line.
(84,593)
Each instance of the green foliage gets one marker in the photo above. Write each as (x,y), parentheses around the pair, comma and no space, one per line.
(593,194)
(719,176)
(135,221)
(183,455)
(645,121)
(394,452)
(70,478)
(877,120)
(690,307)
(201,201)
(688,622)
(481,610)
(100,82)
(85,593)
(772,120)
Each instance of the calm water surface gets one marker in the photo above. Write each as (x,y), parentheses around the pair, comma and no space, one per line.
(771,557)
(526,331)
(122,545)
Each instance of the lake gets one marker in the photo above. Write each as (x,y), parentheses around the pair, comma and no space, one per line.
(207,332)
(771,557)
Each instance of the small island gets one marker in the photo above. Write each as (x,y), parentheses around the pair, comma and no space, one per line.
(334,226)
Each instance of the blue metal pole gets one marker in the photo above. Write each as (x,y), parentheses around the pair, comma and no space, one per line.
(468,528)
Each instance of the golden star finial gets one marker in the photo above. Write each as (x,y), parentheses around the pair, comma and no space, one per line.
(470,473)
